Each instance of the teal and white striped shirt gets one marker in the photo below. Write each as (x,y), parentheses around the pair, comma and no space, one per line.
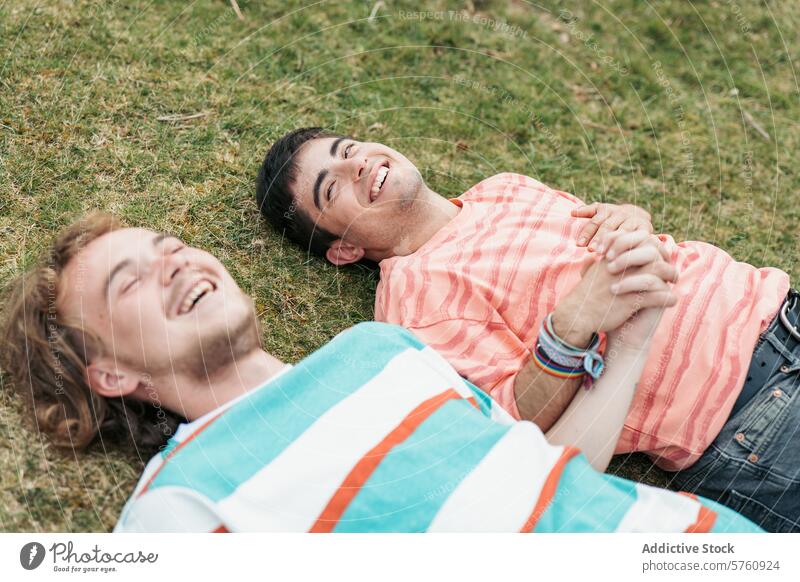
(376,432)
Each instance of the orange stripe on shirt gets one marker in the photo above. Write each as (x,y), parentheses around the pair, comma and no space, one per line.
(549,489)
(705,517)
(172,453)
(355,480)
(705,521)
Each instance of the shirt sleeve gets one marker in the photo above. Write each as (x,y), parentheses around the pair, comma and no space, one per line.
(486,353)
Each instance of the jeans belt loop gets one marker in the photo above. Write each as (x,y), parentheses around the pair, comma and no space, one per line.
(756,372)
(784,319)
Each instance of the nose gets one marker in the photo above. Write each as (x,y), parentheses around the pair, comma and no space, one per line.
(361,168)
(355,168)
(171,265)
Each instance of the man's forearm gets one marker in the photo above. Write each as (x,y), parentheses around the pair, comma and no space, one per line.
(542,398)
(594,419)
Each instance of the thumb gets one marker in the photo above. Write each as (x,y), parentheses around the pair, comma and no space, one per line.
(590,261)
(585,211)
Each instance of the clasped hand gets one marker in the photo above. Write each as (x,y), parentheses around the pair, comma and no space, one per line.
(631,275)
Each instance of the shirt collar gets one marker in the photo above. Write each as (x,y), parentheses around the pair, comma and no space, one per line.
(189,427)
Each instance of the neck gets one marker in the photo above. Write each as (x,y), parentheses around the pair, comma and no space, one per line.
(433,213)
(192,397)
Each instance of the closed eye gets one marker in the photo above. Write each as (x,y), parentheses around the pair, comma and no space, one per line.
(346,153)
(129,285)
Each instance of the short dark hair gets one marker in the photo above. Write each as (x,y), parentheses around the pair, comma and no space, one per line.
(275,198)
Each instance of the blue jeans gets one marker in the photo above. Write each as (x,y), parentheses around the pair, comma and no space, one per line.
(753,466)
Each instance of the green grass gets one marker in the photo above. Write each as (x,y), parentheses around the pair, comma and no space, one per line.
(579,104)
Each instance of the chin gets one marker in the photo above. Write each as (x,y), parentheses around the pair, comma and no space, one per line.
(219,346)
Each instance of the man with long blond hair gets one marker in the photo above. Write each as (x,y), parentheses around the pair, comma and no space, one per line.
(54,348)
(120,331)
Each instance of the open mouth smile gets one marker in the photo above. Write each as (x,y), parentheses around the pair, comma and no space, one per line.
(379,180)
(194,294)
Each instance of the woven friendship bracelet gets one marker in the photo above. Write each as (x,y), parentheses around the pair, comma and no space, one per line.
(558,358)
(553,368)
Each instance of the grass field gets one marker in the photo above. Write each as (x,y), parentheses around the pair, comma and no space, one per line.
(161,111)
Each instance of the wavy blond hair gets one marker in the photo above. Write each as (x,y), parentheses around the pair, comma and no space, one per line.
(46,356)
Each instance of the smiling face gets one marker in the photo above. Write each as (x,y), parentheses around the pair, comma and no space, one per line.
(158,306)
(365,193)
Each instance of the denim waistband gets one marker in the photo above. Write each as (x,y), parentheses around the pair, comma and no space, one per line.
(777,350)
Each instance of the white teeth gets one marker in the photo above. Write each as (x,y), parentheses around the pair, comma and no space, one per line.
(194,294)
(379,178)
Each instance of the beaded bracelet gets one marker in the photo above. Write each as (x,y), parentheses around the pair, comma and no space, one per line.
(562,360)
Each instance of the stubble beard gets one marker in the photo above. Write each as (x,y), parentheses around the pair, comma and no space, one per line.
(213,352)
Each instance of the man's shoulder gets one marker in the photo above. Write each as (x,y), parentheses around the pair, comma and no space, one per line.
(360,351)
(376,335)
(500,182)
(511,187)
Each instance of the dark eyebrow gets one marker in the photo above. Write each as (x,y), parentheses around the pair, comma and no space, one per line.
(317,184)
(335,145)
(323,173)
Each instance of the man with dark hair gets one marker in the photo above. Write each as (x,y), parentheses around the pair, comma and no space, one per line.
(485,277)
(372,432)
(277,176)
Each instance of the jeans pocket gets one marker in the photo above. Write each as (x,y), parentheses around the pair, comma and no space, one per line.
(763,516)
(762,419)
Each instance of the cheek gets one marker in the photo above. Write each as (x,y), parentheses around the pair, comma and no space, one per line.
(340,217)
(232,296)
(140,317)
(411,177)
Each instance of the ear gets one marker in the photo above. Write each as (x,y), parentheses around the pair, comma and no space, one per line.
(110,381)
(341,253)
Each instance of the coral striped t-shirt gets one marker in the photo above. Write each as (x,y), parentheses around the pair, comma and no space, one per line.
(479,289)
